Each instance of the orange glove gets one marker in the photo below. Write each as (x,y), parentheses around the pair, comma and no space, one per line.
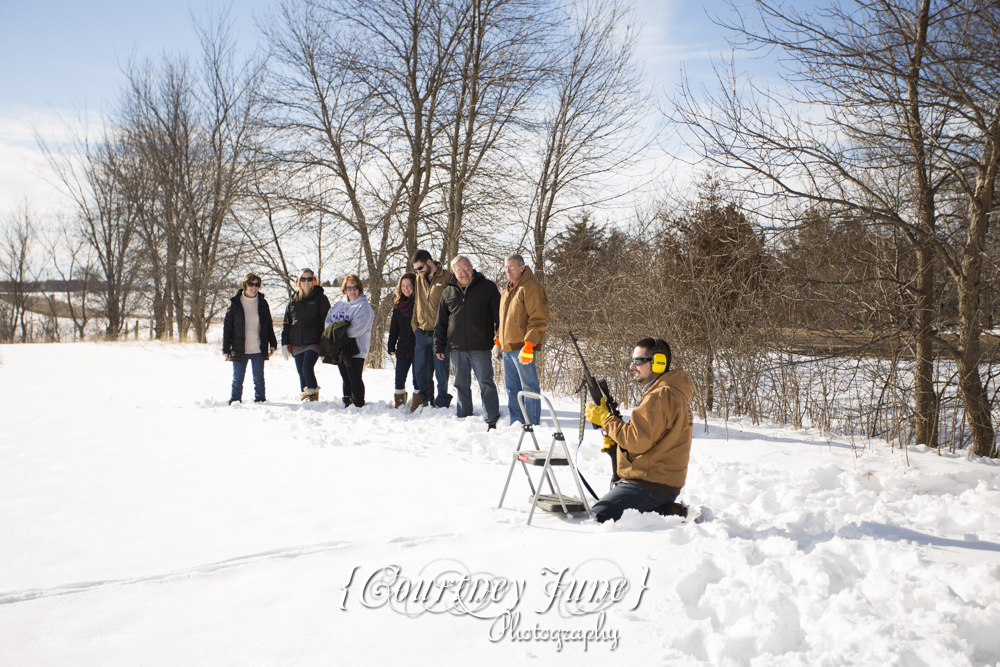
(528,352)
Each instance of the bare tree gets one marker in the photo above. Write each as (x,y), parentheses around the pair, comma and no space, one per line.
(17,272)
(269,228)
(71,258)
(98,177)
(197,136)
(495,77)
(329,103)
(590,129)
(901,108)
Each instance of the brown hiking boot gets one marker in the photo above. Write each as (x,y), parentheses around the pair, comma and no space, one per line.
(416,402)
(398,399)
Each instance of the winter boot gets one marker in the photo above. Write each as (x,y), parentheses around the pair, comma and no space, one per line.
(672,509)
(416,402)
(311,394)
(398,399)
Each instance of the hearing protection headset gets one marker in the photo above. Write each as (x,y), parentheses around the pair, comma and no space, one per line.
(661,356)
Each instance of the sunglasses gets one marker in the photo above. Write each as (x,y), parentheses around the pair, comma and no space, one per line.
(419,269)
(306,279)
(351,288)
(639,361)
(253,284)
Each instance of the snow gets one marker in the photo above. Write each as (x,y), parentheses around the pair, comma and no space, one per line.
(145,521)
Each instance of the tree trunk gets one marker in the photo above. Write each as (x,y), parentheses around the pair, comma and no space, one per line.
(925,408)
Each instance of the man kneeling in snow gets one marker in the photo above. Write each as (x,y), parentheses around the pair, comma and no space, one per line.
(654,446)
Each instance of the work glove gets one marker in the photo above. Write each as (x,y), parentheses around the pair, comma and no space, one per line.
(497,352)
(608,444)
(528,352)
(284,352)
(597,414)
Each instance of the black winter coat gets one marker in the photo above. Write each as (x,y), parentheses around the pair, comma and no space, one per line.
(335,346)
(305,320)
(467,320)
(234,328)
(402,340)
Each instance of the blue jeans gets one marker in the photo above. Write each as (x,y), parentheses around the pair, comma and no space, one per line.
(305,364)
(240,372)
(426,368)
(481,362)
(629,496)
(402,370)
(521,377)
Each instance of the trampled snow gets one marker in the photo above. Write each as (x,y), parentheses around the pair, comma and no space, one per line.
(143,521)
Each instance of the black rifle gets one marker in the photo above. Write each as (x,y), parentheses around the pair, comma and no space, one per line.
(599,389)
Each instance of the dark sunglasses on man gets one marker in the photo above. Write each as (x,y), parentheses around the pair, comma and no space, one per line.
(639,361)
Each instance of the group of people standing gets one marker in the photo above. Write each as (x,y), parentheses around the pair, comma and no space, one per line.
(453,320)
(311,329)
(457,318)
(442,321)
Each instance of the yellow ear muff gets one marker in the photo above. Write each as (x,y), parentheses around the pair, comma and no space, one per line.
(659,362)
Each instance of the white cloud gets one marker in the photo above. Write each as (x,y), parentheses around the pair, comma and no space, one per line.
(25,176)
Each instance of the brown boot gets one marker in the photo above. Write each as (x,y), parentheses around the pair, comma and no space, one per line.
(398,399)
(416,402)
(311,394)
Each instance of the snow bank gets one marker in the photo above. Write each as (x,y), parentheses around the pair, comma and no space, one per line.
(147,522)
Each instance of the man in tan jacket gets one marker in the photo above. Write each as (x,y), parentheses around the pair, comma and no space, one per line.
(654,446)
(431,281)
(524,318)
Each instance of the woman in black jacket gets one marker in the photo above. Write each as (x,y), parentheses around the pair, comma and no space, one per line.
(242,343)
(301,331)
(401,338)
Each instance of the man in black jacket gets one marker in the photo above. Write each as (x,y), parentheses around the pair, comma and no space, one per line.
(467,320)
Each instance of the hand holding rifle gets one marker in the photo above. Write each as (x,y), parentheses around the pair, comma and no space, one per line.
(604,405)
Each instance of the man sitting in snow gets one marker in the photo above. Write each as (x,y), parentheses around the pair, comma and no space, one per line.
(654,446)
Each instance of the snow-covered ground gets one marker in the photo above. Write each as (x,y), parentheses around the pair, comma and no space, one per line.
(145,522)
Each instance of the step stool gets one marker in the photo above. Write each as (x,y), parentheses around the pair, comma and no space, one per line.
(546,459)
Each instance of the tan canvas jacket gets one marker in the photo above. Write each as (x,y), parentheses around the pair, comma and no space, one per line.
(655,444)
(524,313)
(428,297)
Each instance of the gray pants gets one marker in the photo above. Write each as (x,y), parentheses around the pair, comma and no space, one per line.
(464,363)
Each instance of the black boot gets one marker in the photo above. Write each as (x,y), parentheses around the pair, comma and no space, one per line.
(672,509)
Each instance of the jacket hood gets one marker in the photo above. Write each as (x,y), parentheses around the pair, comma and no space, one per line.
(527,277)
(677,379)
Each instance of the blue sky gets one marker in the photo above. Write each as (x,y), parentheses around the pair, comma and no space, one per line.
(60,53)
(61,57)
